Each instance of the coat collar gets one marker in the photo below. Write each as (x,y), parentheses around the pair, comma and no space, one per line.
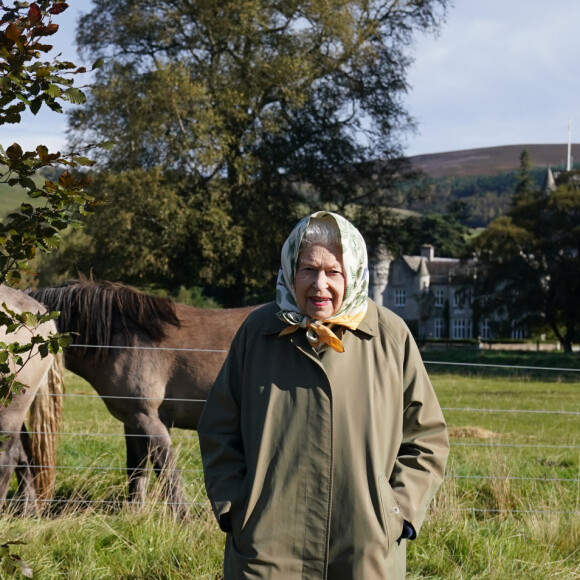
(368,326)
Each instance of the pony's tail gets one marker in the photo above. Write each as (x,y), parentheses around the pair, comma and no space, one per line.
(45,422)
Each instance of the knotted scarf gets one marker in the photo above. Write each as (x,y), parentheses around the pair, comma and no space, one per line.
(355,271)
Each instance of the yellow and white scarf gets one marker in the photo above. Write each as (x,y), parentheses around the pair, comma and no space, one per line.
(356,273)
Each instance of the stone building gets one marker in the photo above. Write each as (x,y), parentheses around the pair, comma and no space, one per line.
(430,293)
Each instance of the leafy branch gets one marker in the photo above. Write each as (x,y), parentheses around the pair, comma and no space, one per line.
(12,563)
(29,80)
(14,356)
(26,82)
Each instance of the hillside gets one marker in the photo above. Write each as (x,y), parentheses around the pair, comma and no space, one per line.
(492,160)
(484,179)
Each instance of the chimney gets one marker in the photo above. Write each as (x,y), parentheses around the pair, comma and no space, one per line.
(428,251)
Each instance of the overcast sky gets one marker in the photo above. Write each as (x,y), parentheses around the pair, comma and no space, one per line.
(501,72)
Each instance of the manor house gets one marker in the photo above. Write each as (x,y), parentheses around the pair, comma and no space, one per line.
(430,293)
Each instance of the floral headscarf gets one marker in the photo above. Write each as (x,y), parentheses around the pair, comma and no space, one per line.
(356,273)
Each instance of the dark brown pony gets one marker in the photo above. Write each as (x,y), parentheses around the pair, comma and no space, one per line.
(159,362)
(31,455)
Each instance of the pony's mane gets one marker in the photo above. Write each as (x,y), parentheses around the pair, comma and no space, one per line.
(88,309)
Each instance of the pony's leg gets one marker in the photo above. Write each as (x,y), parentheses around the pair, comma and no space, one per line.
(25,474)
(160,451)
(9,452)
(14,458)
(165,467)
(137,455)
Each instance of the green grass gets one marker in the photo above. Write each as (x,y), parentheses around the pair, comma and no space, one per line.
(509,507)
(506,509)
(498,363)
(11,197)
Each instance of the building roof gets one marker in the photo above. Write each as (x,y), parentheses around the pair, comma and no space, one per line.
(439,269)
(569,178)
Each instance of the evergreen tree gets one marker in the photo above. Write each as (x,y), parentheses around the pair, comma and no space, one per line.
(526,187)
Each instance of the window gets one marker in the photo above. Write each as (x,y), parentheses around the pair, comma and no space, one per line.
(461,328)
(484,329)
(400,297)
(518,333)
(438,327)
(439,297)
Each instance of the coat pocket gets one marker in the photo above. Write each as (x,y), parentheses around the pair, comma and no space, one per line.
(392,518)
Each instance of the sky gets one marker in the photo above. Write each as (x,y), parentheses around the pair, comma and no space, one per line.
(499,72)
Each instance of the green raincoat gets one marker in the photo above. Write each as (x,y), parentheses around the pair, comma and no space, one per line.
(320,457)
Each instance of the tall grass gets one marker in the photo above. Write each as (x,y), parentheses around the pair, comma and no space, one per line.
(509,508)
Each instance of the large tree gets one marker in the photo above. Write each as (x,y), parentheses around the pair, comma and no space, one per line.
(249,107)
(530,264)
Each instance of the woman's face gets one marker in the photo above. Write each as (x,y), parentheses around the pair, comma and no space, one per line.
(319,282)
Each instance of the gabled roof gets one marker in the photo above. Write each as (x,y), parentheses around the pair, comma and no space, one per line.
(439,269)
(413,262)
(423,270)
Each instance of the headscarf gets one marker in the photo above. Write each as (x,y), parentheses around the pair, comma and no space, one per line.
(356,273)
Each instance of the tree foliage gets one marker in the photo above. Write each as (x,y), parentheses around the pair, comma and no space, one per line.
(526,190)
(487,197)
(11,563)
(27,82)
(445,232)
(530,264)
(254,111)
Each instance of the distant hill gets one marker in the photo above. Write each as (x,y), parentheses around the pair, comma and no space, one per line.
(483,179)
(492,160)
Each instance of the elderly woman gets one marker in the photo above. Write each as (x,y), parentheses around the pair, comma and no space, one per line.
(322,439)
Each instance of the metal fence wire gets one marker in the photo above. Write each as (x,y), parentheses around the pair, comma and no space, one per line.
(198,474)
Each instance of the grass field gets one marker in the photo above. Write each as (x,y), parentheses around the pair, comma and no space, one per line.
(12,196)
(509,507)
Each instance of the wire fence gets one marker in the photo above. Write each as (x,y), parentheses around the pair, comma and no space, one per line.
(198,473)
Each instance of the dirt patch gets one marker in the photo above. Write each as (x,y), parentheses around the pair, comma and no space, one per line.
(471,432)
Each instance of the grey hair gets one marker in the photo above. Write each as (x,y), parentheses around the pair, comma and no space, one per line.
(324,231)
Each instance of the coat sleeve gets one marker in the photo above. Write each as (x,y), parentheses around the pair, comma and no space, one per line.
(220,437)
(422,456)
